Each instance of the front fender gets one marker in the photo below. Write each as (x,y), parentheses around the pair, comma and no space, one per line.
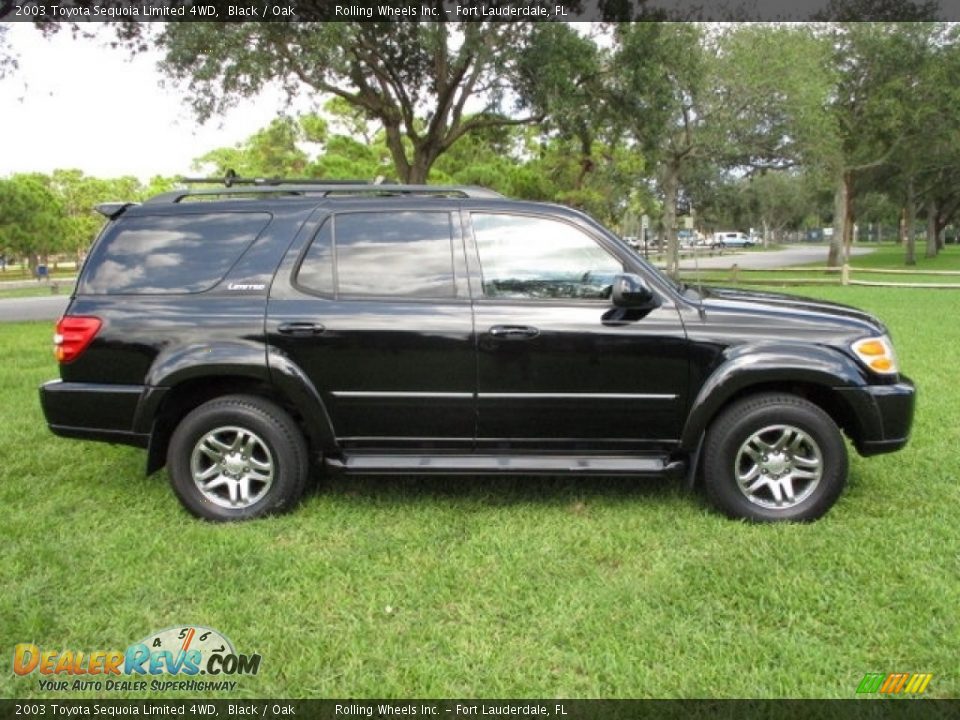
(744,366)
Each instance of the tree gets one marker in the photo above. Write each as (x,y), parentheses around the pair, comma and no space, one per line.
(659,87)
(932,159)
(567,73)
(270,152)
(779,199)
(31,218)
(8,62)
(415,79)
(897,124)
(877,68)
(743,100)
(281,150)
(78,194)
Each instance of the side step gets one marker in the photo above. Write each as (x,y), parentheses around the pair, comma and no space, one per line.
(367,463)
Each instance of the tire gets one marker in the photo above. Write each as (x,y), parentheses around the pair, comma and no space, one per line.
(774,457)
(237,457)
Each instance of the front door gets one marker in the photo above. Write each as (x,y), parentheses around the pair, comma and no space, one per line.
(558,367)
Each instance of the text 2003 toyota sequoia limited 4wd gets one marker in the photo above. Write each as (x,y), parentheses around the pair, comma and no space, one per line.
(411,329)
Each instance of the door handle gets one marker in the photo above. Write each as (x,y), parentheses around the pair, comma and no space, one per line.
(514,332)
(301,329)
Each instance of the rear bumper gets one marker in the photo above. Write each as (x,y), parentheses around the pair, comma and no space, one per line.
(91,411)
(885,415)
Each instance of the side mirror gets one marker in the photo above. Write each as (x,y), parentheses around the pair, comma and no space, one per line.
(631,291)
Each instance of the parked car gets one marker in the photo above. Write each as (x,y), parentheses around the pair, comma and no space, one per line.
(732,239)
(267,331)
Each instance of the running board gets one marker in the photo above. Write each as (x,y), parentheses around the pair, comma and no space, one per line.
(367,463)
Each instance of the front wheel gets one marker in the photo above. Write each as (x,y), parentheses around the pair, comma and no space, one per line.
(774,457)
(237,457)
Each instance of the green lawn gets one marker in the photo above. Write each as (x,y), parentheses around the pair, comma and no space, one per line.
(38,290)
(17,272)
(885,256)
(469,587)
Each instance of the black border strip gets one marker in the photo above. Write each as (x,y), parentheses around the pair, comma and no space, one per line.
(139,11)
(872,709)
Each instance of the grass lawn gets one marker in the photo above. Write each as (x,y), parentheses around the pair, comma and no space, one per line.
(885,256)
(580,588)
(17,272)
(40,290)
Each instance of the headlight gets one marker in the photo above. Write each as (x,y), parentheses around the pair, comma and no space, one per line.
(877,354)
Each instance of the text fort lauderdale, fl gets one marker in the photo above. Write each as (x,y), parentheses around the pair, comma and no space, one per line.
(355,11)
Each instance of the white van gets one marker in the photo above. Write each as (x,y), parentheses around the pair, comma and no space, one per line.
(731,239)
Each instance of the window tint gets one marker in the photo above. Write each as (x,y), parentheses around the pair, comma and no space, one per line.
(405,254)
(538,258)
(316,270)
(169,254)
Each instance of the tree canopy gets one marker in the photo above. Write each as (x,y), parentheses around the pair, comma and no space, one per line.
(771,127)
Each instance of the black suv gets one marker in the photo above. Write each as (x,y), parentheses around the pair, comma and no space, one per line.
(415,329)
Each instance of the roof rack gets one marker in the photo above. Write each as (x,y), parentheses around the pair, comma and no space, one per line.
(327,189)
(230,178)
(307,186)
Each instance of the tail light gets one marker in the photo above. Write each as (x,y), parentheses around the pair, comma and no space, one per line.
(74,333)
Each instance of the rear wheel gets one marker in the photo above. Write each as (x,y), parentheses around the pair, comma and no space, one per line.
(237,457)
(774,457)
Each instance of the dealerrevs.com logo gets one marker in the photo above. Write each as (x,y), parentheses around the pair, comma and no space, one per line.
(184,652)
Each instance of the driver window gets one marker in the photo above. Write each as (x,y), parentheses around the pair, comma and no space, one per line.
(537,258)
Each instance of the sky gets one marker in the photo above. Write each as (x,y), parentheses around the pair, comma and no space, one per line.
(80,104)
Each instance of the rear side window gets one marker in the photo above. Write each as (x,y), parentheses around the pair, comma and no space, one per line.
(167,254)
(396,254)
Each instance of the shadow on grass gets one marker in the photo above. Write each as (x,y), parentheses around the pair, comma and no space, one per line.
(467,490)
(493,490)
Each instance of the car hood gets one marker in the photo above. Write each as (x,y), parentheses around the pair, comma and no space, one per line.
(789,308)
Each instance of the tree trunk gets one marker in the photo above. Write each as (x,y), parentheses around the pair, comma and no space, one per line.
(398,152)
(849,220)
(766,232)
(586,161)
(911,213)
(841,199)
(419,170)
(425,154)
(931,229)
(671,184)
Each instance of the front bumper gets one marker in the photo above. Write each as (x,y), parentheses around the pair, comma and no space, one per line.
(92,411)
(884,415)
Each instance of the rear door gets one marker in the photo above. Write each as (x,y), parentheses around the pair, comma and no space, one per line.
(376,311)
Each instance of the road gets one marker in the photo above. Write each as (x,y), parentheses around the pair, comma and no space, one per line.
(32,308)
(792,255)
(50,308)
